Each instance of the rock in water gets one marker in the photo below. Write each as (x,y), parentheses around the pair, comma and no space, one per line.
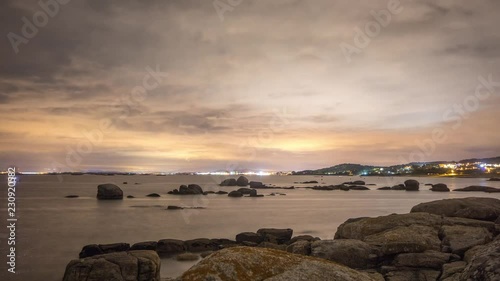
(228,182)
(479,188)
(123,266)
(192,189)
(109,191)
(249,237)
(148,245)
(440,187)
(235,193)
(242,181)
(472,208)
(256,184)
(168,247)
(244,263)
(246,191)
(412,185)
(282,236)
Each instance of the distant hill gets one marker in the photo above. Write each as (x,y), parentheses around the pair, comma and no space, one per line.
(492,160)
(420,167)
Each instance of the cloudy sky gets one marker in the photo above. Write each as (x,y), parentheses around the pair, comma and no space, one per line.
(274,85)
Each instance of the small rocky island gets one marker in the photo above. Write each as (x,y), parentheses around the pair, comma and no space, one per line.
(448,240)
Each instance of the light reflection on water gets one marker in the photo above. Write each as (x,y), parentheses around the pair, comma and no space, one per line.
(52,229)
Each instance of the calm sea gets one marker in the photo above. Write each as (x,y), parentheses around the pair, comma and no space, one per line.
(51,229)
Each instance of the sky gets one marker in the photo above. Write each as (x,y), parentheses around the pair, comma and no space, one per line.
(185,85)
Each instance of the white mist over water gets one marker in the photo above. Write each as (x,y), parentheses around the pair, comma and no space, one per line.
(51,229)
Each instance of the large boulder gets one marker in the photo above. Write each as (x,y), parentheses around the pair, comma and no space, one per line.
(168,247)
(244,263)
(249,237)
(412,185)
(473,208)
(458,238)
(242,181)
(121,266)
(301,247)
(352,253)
(109,191)
(282,236)
(360,228)
(427,259)
(483,263)
(228,182)
(405,239)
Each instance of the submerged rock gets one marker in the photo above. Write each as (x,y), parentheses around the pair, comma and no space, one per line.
(440,187)
(358,182)
(123,266)
(109,191)
(235,193)
(257,184)
(187,257)
(71,196)
(244,263)
(478,188)
(399,187)
(153,195)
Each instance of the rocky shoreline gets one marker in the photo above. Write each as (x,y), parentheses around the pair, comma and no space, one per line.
(449,240)
(247,188)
